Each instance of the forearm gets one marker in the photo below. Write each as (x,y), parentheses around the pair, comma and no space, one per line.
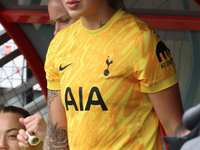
(56,134)
(56,137)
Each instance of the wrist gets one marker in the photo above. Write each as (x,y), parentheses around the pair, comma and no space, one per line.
(181,131)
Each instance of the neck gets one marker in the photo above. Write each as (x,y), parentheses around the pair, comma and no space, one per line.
(98,17)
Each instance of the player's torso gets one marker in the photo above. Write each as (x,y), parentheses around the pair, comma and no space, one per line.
(97,75)
(100,90)
(100,93)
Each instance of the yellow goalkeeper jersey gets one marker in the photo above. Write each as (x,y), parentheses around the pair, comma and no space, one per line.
(104,76)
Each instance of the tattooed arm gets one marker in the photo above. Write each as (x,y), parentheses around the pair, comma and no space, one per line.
(56,135)
(101,24)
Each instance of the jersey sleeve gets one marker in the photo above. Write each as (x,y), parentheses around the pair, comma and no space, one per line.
(52,76)
(152,62)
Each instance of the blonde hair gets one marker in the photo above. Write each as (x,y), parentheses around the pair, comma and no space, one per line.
(116,4)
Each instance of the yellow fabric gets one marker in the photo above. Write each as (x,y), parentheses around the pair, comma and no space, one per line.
(103,79)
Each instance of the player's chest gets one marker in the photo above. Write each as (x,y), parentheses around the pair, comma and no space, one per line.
(87,67)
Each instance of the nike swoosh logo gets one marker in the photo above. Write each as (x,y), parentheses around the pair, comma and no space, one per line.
(62,68)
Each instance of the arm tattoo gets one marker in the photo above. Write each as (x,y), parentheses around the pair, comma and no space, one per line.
(101,24)
(180,131)
(56,137)
(52,95)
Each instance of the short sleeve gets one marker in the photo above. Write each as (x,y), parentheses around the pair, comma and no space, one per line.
(52,76)
(152,63)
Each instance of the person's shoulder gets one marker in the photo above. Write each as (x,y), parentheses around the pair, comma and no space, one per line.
(69,29)
(141,24)
(65,33)
(53,41)
(137,23)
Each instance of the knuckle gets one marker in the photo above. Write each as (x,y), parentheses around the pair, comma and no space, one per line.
(20,131)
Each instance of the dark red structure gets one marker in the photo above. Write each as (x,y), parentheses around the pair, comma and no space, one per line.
(197,2)
(155,21)
(25,47)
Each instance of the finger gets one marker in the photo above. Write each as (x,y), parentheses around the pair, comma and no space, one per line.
(30,125)
(23,134)
(35,125)
(21,120)
(39,130)
(32,118)
(36,129)
(22,139)
(32,131)
(29,119)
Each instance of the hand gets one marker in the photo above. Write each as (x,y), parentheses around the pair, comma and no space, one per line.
(24,144)
(35,125)
(23,139)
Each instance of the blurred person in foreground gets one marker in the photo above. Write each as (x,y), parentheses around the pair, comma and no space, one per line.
(10,126)
(59,16)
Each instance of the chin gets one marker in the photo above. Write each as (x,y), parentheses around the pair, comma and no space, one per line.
(75,14)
